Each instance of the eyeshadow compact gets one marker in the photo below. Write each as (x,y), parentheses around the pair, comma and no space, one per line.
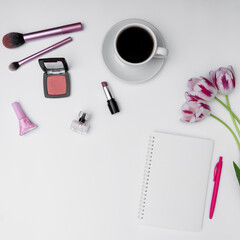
(56,81)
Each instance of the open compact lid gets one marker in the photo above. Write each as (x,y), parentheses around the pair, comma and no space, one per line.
(53,64)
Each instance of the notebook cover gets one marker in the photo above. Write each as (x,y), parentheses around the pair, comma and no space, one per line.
(175,181)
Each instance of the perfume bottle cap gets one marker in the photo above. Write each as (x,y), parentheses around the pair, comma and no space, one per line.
(83,117)
(81,124)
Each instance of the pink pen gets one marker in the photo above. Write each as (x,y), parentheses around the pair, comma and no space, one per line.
(216,179)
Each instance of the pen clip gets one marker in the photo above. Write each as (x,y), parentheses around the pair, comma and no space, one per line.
(215,172)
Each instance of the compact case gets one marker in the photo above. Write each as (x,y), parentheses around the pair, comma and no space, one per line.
(56,81)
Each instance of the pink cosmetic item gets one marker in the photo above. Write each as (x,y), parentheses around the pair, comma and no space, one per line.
(25,125)
(81,125)
(112,104)
(15,65)
(216,179)
(14,39)
(56,80)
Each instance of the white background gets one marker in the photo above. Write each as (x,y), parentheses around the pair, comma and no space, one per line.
(56,184)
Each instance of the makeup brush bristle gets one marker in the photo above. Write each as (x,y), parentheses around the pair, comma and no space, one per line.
(14,66)
(13,40)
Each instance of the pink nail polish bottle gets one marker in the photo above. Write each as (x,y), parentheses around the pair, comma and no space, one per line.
(25,125)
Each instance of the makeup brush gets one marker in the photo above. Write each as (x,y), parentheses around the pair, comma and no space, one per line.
(15,65)
(14,39)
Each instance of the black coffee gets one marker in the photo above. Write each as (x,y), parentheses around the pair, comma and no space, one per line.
(134,44)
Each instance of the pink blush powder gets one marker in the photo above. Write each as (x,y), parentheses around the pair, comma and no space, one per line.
(56,85)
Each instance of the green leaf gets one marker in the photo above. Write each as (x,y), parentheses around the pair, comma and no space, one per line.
(237,171)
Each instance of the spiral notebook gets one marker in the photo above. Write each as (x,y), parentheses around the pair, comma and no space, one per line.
(175,181)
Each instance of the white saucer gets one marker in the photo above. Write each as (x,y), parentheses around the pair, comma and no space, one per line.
(130,74)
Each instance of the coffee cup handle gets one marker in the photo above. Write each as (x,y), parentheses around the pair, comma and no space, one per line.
(161,52)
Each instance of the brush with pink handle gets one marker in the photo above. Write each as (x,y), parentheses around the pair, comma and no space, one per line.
(15,65)
(14,39)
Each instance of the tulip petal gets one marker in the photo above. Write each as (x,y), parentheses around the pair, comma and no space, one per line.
(201,89)
(192,96)
(233,76)
(205,91)
(192,82)
(212,76)
(194,111)
(224,79)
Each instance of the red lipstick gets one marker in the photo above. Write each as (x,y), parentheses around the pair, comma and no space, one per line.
(112,104)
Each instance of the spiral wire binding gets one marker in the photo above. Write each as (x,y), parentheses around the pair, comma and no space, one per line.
(147,170)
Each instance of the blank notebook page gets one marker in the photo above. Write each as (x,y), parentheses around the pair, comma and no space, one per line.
(175,181)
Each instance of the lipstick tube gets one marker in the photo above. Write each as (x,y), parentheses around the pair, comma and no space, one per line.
(112,104)
(52,31)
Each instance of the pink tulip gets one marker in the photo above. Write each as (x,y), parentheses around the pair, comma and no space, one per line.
(223,79)
(200,89)
(195,111)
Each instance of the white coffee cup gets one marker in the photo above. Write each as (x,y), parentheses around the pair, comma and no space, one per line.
(126,34)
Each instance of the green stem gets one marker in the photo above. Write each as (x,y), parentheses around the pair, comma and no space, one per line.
(229,109)
(234,135)
(233,119)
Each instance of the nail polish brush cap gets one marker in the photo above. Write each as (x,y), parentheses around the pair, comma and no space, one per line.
(18,110)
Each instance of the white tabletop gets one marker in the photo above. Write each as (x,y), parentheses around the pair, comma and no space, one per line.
(57,184)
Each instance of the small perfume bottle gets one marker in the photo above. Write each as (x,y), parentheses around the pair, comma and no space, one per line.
(81,126)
